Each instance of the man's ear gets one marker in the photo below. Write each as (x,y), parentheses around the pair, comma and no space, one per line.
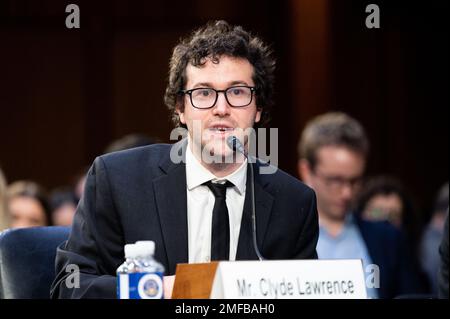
(258,115)
(304,171)
(180,113)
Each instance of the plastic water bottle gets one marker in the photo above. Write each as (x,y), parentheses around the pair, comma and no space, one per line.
(140,276)
(128,267)
(152,282)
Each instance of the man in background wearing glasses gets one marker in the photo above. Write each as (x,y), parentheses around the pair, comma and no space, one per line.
(198,209)
(333,151)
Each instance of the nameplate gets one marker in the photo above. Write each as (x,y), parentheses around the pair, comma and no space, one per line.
(290,279)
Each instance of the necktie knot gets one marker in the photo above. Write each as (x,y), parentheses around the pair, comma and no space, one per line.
(219,190)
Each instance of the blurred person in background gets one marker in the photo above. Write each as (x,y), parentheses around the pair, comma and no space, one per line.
(4,220)
(27,205)
(130,141)
(432,237)
(384,198)
(333,151)
(123,143)
(63,204)
(79,181)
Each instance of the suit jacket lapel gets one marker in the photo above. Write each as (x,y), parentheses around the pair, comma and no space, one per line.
(171,200)
(263,208)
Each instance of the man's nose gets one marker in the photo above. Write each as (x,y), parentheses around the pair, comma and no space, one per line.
(222,107)
(347,191)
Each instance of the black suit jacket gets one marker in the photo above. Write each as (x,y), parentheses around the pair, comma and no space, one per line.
(387,248)
(140,194)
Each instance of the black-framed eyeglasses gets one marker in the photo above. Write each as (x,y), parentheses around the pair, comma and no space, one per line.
(338,182)
(206,98)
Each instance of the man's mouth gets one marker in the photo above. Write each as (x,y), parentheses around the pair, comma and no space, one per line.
(220,129)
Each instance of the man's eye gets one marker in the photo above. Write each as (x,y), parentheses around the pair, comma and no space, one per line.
(236,91)
(203,93)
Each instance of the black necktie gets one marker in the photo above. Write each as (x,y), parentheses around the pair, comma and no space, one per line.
(220,236)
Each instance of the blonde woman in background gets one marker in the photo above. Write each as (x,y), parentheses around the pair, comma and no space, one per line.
(27,205)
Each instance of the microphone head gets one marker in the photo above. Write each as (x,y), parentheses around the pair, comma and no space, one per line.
(235,144)
(231,142)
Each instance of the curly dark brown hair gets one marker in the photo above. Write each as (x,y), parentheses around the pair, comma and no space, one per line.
(216,39)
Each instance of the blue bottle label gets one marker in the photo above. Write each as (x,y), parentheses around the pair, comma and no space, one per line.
(140,286)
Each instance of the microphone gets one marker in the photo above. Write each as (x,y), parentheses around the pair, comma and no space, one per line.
(235,144)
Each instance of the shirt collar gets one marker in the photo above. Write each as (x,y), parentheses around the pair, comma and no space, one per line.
(349,223)
(197,174)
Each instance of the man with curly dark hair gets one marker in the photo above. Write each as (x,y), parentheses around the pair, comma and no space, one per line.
(198,209)
(209,44)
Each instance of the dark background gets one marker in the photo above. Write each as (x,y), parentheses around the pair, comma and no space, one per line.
(66,93)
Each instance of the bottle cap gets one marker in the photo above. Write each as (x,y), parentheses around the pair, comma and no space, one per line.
(130,251)
(147,247)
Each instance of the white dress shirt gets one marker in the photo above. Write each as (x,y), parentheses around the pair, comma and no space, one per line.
(200,204)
